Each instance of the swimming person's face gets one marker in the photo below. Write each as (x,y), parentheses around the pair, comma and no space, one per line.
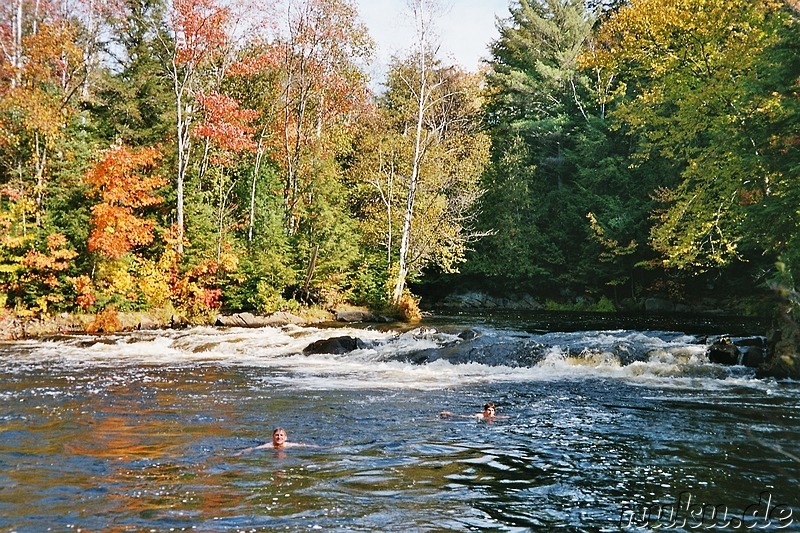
(489,411)
(278,438)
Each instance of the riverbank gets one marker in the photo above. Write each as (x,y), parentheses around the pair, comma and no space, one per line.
(13,327)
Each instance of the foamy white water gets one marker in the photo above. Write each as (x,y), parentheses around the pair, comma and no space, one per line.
(422,358)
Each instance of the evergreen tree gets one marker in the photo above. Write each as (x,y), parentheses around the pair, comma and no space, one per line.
(537,108)
(132,102)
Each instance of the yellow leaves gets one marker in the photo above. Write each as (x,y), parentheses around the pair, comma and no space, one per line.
(39,271)
(43,82)
(652,38)
(228,262)
(115,279)
(613,249)
(153,282)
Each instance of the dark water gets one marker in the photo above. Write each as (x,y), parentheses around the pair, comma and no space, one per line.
(605,430)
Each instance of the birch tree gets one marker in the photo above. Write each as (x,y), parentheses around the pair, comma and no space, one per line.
(41,70)
(321,86)
(422,9)
(199,31)
(446,156)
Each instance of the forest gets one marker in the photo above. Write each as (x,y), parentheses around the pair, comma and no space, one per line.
(226,155)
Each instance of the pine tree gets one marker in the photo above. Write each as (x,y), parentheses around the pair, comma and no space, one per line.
(537,106)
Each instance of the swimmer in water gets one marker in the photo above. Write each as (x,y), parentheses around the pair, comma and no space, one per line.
(278,442)
(489,413)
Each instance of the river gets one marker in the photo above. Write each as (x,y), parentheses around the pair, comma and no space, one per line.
(605,429)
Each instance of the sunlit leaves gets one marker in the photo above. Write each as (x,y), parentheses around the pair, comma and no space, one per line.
(321,88)
(226,124)
(199,27)
(43,269)
(36,100)
(455,153)
(687,77)
(124,181)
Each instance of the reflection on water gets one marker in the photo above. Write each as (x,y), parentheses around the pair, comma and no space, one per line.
(140,432)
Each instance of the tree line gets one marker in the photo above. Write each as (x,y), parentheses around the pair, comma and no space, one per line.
(205,155)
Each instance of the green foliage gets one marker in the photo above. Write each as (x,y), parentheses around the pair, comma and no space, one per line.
(684,82)
(537,109)
(417,174)
(259,280)
(603,305)
(328,227)
(371,283)
(132,101)
(269,300)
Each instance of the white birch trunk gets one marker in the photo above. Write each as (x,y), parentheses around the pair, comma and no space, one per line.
(422,96)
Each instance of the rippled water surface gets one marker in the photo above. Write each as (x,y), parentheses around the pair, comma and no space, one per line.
(604,429)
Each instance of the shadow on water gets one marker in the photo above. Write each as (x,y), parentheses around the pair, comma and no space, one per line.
(572,321)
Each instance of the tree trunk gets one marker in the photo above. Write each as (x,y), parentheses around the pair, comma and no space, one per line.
(256,172)
(182,124)
(405,240)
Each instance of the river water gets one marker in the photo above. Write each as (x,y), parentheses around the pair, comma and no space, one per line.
(605,429)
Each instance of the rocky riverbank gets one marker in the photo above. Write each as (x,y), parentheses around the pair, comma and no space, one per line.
(14,327)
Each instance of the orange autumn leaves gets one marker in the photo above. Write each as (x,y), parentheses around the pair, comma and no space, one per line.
(125,181)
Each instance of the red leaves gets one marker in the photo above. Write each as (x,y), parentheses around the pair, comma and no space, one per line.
(199,29)
(124,181)
(210,298)
(267,59)
(85,291)
(225,123)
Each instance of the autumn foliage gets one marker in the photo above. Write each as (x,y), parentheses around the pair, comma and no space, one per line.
(124,180)
(43,270)
(238,157)
(199,26)
(226,124)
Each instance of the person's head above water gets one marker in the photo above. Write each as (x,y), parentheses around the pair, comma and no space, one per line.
(278,437)
(489,410)
(279,442)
